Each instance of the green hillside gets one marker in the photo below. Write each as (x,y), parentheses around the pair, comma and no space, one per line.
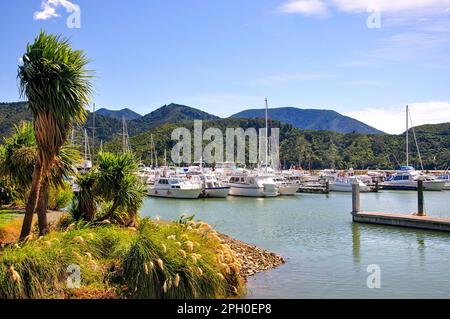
(320,149)
(321,120)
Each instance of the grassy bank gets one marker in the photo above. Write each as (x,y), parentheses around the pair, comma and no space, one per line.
(10,224)
(182,259)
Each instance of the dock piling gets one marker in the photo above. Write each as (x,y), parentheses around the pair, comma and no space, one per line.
(420,198)
(356,198)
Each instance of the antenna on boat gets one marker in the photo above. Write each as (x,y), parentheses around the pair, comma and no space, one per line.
(87,150)
(165,157)
(93,130)
(407,135)
(267,133)
(125,143)
(415,140)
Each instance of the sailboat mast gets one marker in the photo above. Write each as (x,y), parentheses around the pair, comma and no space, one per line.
(267,133)
(407,135)
(93,131)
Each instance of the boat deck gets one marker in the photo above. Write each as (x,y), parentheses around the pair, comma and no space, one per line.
(402,220)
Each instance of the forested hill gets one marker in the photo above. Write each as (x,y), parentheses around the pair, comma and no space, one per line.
(321,120)
(320,149)
(315,149)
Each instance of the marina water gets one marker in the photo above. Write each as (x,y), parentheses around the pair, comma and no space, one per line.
(327,255)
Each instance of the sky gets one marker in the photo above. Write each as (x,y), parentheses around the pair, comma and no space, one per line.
(363,58)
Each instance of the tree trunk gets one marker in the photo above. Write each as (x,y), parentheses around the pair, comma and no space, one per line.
(132,219)
(111,211)
(32,201)
(42,208)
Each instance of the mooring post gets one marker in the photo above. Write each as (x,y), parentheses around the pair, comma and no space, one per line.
(420,198)
(356,197)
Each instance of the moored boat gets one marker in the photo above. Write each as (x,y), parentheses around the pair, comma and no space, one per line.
(406,178)
(253,186)
(175,187)
(345,184)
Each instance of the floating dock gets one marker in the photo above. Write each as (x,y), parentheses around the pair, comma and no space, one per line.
(403,220)
(417,221)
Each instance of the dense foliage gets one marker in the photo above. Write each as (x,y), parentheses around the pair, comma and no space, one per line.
(320,149)
(158,260)
(315,149)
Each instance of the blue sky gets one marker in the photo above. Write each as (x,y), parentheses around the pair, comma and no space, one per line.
(223,56)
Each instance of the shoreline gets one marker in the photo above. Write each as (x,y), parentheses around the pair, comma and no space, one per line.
(253,259)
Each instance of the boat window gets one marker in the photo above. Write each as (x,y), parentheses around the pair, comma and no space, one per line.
(405,177)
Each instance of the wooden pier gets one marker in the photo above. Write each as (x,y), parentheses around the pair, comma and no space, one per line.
(417,221)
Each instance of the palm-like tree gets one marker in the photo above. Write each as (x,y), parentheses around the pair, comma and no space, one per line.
(17,162)
(19,157)
(118,183)
(56,83)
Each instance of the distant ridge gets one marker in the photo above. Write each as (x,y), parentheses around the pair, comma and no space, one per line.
(312,119)
(127,113)
(172,113)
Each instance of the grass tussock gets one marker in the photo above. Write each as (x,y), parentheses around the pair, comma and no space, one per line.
(158,260)
(10,229)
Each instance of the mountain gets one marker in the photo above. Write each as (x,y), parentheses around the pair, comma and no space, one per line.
(127,113)
(321,120)
(172,113)
(108,123)
(11,114)
(317,149)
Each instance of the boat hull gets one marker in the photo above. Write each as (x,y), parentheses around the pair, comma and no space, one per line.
(264,191)
(175,193)
(217,192)
(288,190)
(427,186)
(347,188)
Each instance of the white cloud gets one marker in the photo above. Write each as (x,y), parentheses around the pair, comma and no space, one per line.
(320,7)
(391,6)
(392,119)
(48,9)
(281,79)
(305,7)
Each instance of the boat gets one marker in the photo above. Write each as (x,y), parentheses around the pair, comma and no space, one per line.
(345,184)
(406,178)
(212,187)
(446,178)
(285,187)
(250,185)
(175,187)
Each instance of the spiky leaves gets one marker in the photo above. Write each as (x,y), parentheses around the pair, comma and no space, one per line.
(57,84)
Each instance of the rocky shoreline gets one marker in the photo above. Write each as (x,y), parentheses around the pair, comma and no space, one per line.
(253,259)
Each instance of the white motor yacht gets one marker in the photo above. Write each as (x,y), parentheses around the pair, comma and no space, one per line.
(253,186)
(407,177)
(285,187)
(345,184)
(175,187)
(212,187)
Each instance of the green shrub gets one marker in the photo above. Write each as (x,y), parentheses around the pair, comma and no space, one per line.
(60,197)
(159,260)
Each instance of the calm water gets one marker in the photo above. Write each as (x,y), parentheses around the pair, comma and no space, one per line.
(327,255)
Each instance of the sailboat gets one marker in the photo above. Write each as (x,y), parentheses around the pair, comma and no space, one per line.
(406,177)
(261,184)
